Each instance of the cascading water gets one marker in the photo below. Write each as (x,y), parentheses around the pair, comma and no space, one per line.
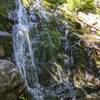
(24,55)
(68,63)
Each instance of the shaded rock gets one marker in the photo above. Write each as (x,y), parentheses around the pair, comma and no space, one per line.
(2,52)
(11,83)
(5,47)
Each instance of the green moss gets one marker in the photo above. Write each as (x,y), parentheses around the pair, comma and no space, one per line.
(79,50)
(5,7)
(55,3)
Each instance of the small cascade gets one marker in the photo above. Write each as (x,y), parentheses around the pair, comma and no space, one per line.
(65,86)
(23,52)
(38,5)
(69,63)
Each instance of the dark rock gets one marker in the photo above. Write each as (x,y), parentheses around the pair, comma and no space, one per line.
(5,47)
(11,84)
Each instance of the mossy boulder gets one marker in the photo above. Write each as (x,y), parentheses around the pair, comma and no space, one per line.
(11,83)
(5,7)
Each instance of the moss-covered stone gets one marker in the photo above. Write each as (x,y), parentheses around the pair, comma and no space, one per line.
(5,7)
(11,83)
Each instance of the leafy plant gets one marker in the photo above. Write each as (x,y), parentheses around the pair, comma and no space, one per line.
(87,6)
(55,3)
(73,4)
(81,5)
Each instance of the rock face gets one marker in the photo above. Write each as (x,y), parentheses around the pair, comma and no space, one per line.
(5,47)
(11,83)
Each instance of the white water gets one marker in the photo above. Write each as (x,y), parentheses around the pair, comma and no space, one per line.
(38,5)
(24,55)
(69,63)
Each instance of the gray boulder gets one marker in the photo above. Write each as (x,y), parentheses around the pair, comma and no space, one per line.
(11,84)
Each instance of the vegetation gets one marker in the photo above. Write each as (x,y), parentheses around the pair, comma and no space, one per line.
(78,50)
(81,5)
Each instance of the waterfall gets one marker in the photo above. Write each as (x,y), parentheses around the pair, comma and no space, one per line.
(69,63)
(24,54)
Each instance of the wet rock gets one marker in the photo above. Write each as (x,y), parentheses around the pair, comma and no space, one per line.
(4,33)
(11,83)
